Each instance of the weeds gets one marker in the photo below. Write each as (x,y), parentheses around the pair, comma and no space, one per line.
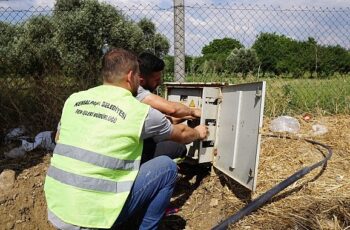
(38,107)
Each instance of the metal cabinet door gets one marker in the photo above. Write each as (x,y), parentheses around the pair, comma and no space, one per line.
(209,116)
(238,139)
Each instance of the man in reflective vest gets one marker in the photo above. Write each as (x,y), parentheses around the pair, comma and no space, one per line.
(95,179)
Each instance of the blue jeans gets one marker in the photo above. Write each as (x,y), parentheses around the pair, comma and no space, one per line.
(171,149)
(151,192)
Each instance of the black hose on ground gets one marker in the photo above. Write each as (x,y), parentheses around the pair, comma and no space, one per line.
(261,200)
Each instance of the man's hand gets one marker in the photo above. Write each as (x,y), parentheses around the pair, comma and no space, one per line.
(183,134)
(175,120)
(196,112)
(203,131)
(57,136)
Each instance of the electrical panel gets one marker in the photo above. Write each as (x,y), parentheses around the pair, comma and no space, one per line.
(233,115)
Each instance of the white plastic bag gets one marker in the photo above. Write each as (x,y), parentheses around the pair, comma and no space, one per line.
(42,140)
(285,124)
(319,129)
(14,134)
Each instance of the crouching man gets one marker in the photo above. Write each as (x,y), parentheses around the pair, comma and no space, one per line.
(95,179)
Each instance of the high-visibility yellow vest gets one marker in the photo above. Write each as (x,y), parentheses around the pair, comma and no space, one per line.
(97,157)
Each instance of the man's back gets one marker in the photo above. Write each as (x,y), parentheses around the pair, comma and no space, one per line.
(100,138)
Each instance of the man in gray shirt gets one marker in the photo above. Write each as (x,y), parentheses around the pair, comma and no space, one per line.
(151,68)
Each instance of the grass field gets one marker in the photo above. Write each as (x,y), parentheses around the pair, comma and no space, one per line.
(331,96)
(287,96)
(318,201)
(38,105)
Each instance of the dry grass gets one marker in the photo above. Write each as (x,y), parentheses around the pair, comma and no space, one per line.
(320,200)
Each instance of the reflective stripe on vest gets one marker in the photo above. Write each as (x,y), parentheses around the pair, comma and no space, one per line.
(88,182)
(95,158)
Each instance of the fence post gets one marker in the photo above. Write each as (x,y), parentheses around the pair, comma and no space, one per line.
(179,40)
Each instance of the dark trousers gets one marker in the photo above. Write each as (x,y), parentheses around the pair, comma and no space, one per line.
(171,149)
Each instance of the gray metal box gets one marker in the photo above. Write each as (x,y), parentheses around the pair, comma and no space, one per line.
(233,114)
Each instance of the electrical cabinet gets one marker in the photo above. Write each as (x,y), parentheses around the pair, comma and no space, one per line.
(233,115)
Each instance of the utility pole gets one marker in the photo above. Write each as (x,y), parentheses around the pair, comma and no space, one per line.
(179,40)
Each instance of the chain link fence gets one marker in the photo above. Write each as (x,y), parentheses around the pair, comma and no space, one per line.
(46,53)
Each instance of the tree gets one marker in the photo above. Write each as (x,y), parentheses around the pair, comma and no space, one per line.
(148,27)
(212,66)
(8,34)
(311,48)
(33,52)
(82,32)
(271,48)
(67,5)
(169,64)
(155,43)
(242,61)
(280,54)
(334,59)
(221,46)
(70,41)
(215,54)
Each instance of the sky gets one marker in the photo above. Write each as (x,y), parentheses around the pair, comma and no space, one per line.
(326,21)
(23,4)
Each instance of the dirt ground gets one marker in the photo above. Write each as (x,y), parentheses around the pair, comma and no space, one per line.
(320,200)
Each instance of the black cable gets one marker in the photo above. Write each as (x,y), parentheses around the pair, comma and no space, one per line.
(261,200)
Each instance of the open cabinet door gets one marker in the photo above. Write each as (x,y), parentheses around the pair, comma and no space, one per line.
(240,118)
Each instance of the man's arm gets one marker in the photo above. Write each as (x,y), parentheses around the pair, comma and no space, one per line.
(170,108)
(158,127)
(57,135)
(184,134)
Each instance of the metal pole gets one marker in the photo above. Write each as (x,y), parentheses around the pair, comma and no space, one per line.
(179,40)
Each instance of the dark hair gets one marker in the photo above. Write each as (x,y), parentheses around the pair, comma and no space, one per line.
(116,63)
(149,63)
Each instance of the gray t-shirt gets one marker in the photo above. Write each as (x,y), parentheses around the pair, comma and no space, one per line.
(156,124)
(142,93)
